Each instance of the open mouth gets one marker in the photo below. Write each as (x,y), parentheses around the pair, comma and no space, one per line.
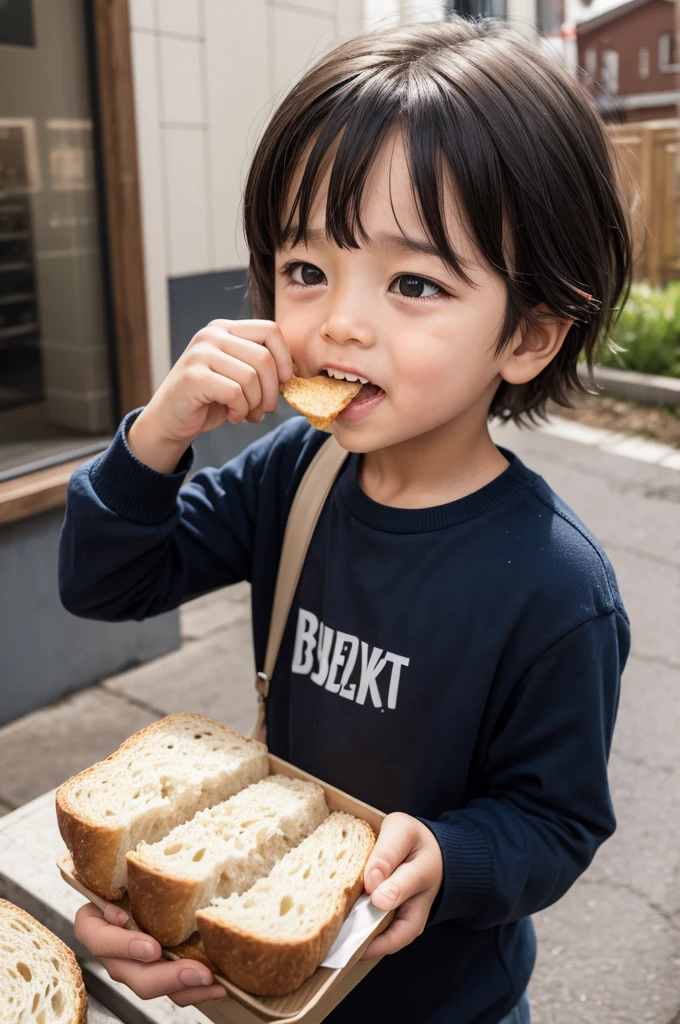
(368,389)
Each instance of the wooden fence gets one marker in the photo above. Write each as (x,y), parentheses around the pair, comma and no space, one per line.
(648,155)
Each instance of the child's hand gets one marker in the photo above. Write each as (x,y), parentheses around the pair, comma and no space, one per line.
(404,870)
(135,959)
(230,370)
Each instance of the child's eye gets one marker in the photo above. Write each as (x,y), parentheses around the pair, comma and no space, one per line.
(305,274)
(414,287)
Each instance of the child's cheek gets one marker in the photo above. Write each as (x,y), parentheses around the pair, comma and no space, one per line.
(296,338)
(432,390)
(448,366)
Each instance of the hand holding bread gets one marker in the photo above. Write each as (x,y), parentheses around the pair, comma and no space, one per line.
(135,959)
(229,371)
(187,820)
(403,873)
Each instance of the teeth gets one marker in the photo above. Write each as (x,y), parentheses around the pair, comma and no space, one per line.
(339,375)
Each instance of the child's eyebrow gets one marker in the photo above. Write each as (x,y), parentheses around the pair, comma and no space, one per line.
(384,240)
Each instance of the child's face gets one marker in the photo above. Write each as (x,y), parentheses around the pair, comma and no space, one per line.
(399,318)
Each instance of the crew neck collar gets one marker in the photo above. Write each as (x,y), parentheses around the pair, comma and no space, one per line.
(515,478)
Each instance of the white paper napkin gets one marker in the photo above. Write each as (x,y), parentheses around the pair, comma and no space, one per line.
(360,922)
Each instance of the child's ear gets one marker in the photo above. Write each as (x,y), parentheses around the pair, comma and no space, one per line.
(533,347)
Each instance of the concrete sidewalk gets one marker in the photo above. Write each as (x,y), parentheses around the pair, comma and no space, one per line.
(610,950)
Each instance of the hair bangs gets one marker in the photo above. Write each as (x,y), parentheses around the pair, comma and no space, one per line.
(346,146)
(345,150)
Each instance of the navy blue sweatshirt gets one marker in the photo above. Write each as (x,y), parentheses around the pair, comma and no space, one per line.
(459,663)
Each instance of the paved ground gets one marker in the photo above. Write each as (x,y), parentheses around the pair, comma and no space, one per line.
(610,950)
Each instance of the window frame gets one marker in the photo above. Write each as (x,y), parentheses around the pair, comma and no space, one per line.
(665,50)
(644,63)
(610,67)
(107,24)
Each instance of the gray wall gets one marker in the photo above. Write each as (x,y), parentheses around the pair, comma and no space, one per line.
(194,302)
(45,652)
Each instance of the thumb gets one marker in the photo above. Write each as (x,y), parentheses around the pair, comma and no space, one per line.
(398,837)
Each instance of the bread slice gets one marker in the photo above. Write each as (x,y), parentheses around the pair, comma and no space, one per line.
(157,779)
(320,399)
(271,938)
(222,850)
(40,980)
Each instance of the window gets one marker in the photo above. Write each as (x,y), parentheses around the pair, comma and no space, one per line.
(643,62)
(609,76)
(591,62)
(56,389)
(478,8)
(666,50)
(549,16)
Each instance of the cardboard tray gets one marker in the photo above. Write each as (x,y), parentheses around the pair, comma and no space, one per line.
(317,996)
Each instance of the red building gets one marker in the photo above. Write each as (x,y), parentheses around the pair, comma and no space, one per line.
(627,61)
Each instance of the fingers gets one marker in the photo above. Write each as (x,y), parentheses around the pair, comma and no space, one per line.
(255,416)
(111,940)
(213,387)
(409,922)
(113,914)
(135,959)
(193,996)
(398,839)
(409,879)
(165,977)
(241,373)
(262,332)
(251,365)
(252,381)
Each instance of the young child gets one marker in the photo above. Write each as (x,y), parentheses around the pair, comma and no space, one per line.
(432,209)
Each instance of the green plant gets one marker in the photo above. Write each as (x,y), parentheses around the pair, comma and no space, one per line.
(646,336)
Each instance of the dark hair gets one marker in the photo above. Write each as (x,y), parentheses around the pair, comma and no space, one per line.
(526,151)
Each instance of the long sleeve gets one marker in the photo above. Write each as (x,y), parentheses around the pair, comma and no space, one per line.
(136,543)
(519,846)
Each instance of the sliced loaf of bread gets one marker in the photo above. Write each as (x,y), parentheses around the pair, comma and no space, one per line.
(157,779)
(40,980)
(271,938)
(222,850)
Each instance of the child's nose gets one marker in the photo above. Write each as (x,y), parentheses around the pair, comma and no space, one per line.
(344,327)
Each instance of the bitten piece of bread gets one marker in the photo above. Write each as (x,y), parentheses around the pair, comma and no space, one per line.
(271,938)
(222,850)
(156,780)
(40,980)
(320,399)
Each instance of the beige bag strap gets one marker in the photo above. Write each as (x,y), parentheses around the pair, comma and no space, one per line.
(304,514)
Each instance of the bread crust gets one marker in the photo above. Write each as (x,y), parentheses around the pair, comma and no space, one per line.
(266,967)
(65,955)
(95,847)
(160,904)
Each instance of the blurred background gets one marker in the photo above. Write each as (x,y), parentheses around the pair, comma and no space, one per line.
(126,129)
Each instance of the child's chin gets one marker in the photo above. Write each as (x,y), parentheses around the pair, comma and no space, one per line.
(360,441)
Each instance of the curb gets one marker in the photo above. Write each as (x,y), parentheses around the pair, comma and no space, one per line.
(629,446)
(648,388)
